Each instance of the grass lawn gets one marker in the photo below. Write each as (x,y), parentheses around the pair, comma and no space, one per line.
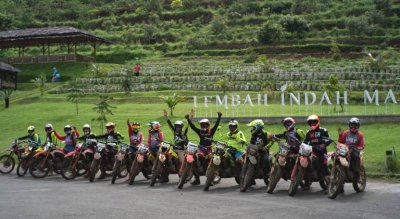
(54,109)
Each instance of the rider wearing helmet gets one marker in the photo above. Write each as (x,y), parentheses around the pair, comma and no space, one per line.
(235,138)
(263,140)
(50,136)
(180,129)
(156,136)
(318,137)
(205,133)
(111,137)
(135,136)
(32,137)
(354,138)
(87,133)
(69,138)
(292,135)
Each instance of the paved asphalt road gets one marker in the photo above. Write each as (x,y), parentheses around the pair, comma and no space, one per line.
(54,197)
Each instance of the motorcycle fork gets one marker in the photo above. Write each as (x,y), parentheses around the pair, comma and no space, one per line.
(76,160)
(294,170)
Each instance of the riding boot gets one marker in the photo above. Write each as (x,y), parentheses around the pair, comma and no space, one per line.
(103,173)
(196,180)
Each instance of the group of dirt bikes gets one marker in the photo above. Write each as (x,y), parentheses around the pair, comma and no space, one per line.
(114,158)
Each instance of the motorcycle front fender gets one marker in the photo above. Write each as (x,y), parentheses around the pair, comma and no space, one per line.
(97,156)
(190,158)
(140,158)
(216,160)
(304,162)
(282,160)
(343,161)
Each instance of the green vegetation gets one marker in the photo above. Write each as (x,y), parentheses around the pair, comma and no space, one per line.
(146,29)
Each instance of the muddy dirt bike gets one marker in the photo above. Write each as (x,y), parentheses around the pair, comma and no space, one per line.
(102,159)
(143,162)
(7,161)
(222,164)
(252,168)
(283,165)
(305,168)
(26,159)
(341,172)
(46,161)
(188,165)
(166,162)
(122,162)
(77,162)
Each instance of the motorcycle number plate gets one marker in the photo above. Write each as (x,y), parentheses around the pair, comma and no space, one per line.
(140,158)
(97,156)
(252,160)
(217,160)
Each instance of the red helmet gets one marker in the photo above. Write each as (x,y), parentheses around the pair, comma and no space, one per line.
(313,122)
(289,123)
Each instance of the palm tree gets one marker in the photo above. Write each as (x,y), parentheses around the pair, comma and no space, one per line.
(172,101)
(40,82)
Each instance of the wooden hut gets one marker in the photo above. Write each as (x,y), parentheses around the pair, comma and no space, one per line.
(8,76)
(45,38)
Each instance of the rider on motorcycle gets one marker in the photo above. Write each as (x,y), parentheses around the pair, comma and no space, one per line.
(135,136)
(263,139)
(318,137)
(205,133)
(154,139)
(50,136)
(32,137)
(69,138)
(111,137)
(236,139)
(87,133)
(353,137)
(180,129)
(293,135)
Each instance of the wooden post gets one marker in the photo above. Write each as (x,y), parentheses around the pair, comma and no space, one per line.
(68,48)
(94,49)
(75,48)
(43,49)
(48,49)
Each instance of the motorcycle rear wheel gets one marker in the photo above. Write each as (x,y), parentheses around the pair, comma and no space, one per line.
(210,174)
(294,184)
(362,182)
(184,177)
(248,178)
(336,182)
(34,169)
(7,164)
(275,176)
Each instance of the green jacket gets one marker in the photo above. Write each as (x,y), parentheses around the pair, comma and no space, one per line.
(236,140)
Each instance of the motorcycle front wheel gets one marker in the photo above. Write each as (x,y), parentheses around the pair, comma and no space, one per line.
(94,168)
(116,170)
(275,176)
(7,164)
(157,169)
(294,184)
(362,182)
(186,172)
(248,178)
(38,169)
(210,175)
(23,167)
(336,182)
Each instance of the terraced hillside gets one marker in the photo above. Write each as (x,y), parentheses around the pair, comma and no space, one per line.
(248,77)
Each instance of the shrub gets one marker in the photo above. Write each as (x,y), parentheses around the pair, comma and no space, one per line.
(270,32)
(296,25)
(357,26)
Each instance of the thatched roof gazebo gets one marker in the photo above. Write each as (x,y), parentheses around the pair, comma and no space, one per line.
(8,76)
(49,36)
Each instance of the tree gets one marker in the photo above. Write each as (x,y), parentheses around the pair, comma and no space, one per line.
(74,95)
(269,33)
(6,93)
(332,86)
(103,108)
(218,26)
(172,101)
(175,4)
(40,82)
(223,84)
(357,26)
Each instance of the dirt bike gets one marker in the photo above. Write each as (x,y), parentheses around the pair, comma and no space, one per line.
(77,162)
(222,164)
(50,159)
(101,160)
(188,164)
(143,162)
(122,162)
(283,165)
(7,161)
(26,159)
(341,172)
(252,168)
(305,168)
(167,161)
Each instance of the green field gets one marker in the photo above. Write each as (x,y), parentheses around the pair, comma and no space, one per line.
(379,137)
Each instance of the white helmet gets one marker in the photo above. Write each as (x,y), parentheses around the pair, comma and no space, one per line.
(86,126)
(179,122)
(31,128)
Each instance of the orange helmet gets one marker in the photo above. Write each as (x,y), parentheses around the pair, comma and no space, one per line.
(313,122)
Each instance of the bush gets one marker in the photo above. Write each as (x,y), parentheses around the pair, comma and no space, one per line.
(296,25)
(357,26)
(196,42)
(270,32)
